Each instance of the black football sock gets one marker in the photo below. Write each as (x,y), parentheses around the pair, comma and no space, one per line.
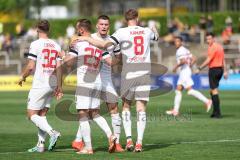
(216,104)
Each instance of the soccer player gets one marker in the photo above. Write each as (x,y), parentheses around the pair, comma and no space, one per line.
(43,57)
(135,76)
(89,85)
(184,61)
(217,67)
(110,96)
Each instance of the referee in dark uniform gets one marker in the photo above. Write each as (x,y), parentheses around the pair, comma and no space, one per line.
(217,68)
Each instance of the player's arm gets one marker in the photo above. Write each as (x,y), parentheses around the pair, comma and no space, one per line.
(205,63)
(27,71)
(69,59)
(193,60)
(110,60)
(59,91)
(225,73)
(182,61)
(98,43)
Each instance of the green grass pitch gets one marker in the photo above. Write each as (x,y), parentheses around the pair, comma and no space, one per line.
(191,136)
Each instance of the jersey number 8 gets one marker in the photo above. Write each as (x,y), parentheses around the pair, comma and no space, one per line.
(138,45)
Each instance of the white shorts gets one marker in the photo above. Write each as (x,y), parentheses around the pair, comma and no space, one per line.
(109,93)
(38,98)
(185,79)
(137,89)
(88,96)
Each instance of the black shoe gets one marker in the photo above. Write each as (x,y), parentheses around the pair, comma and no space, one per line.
(216,116)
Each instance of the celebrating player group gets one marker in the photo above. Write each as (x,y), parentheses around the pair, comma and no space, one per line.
(94,54)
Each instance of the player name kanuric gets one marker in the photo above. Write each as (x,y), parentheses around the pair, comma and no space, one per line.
(137,32)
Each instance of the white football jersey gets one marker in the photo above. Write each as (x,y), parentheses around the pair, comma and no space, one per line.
(184,53)
(45,53)
(134,43)
(105,68)
(89,58)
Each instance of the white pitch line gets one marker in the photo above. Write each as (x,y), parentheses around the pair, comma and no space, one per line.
(174,143)
(197,142)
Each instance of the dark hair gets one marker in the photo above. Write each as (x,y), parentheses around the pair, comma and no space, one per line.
(210,34)
(179,37)
(43,26)
(85,23)
(131,14)
(104,17)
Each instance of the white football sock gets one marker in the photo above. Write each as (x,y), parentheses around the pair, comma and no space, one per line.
(198,95)
(79,134)
(41,135)
(127,123)
(86,132)
(141,124)
(116,124)
(42,123)
(177,100)
(102,123)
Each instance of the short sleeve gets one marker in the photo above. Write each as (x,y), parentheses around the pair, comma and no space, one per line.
(73,50)
(117,50)
(33,51)
(211,52)
(115,38)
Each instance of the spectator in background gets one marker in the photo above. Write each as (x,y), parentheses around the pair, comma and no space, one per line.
(227,32)
(118,24)
(1,40)
(7,44)
(209,24)
(202,23)
(20,30)
(194,33)
(70,31)
(143,23)
(238,24)
(32,33)
(228,21)
(1,28)
(175,28)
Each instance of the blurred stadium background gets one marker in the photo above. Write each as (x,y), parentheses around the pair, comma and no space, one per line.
(189,18)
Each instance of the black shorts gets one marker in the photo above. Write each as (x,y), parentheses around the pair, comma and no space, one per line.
(215,74)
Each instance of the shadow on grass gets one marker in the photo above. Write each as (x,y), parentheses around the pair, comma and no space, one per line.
(155,146)
(68,148)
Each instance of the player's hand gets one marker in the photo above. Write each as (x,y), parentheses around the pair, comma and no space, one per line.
(174,70)
(75,39)
(21,80)
(62,54)
(197,71)
(58,93)
(225,75)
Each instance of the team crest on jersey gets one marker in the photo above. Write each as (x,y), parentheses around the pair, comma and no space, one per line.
(97,54)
